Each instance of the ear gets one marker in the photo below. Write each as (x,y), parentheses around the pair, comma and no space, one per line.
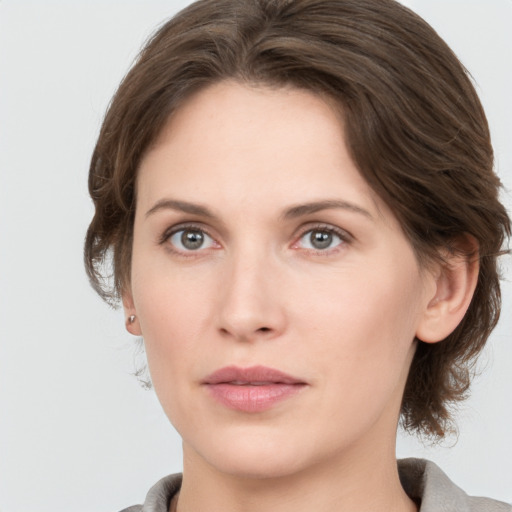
(131,319)
(455,283)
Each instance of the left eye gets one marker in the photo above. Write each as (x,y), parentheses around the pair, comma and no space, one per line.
(320,239)
(191,240)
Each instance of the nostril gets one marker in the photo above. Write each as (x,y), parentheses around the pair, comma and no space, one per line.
(264,329)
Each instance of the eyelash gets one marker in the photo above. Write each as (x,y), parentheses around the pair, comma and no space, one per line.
(344,236)
(169,233)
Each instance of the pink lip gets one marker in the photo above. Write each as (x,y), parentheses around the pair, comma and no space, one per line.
(253,389)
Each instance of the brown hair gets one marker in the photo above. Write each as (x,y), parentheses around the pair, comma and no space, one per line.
(414,126)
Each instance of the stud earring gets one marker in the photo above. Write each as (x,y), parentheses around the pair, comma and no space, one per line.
(131,319)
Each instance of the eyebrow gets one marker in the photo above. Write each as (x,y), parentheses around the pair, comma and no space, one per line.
(293,212)
(182,206)
(328,204)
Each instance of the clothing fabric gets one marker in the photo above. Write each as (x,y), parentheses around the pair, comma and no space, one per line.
(422,480)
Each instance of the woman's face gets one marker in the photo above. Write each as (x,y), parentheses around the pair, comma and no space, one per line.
(259,250)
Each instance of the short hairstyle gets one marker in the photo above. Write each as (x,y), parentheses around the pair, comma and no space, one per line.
(414,126)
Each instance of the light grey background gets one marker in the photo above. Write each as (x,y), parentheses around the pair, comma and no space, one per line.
(76,430)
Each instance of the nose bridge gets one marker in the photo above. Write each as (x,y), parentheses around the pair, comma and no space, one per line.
(250,305)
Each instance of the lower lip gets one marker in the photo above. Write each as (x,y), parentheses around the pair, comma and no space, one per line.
(252,398)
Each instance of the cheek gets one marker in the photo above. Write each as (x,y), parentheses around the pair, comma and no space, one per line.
(170,351)
(174,310)
(364,327)
(169,299)
(169,315)
(364,305)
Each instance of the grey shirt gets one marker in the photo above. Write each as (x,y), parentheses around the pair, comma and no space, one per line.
(422,480)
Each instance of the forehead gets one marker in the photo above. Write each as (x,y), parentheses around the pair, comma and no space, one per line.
(228,114)
(234,143)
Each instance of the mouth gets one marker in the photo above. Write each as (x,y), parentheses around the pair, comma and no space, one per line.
(254,389)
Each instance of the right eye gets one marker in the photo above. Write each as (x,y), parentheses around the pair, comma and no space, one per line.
(191,239)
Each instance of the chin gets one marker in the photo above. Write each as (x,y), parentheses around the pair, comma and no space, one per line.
(259,466)
(256,456)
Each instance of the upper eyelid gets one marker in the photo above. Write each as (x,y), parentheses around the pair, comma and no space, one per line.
(175,228)
(217,231)
(342,233)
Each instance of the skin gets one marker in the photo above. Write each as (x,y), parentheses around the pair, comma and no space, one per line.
(343,318)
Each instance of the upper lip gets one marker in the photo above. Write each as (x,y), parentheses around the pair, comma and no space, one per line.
(252,375)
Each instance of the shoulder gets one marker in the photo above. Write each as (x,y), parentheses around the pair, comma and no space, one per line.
(159,496)
(425,482)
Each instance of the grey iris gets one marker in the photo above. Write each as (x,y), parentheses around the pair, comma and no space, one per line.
(192,239)
(321,239)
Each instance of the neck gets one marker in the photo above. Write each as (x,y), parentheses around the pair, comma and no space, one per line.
(363,483)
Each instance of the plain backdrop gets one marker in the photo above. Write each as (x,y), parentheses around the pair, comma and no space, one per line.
(77,432)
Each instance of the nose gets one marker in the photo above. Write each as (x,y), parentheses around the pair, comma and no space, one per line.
(250,299)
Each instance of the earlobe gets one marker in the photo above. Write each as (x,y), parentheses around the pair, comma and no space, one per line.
(455,284)
(131,320)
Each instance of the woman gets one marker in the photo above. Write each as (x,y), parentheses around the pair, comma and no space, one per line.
(299,204)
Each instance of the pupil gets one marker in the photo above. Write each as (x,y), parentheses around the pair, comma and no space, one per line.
(192,239)
(321,239)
